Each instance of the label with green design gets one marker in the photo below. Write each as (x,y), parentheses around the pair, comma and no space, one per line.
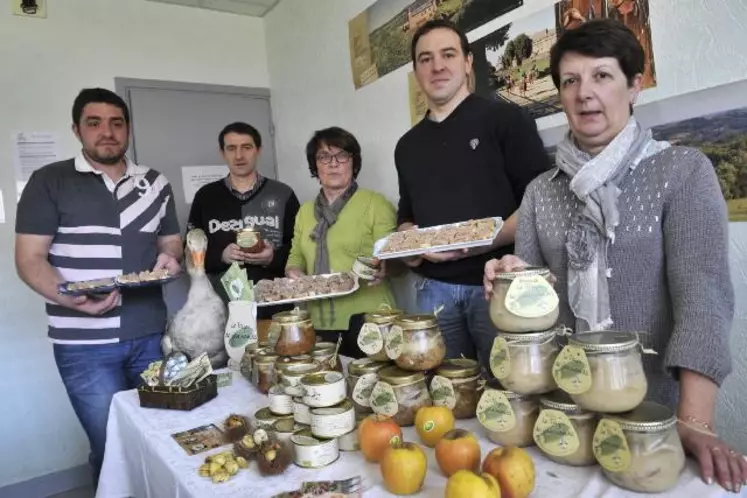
(236,284)
(369,339)
(500,359)
(394,342)
(554,433)
(531,296)
(571,370)
(383,399)
(610,446)
(241,337)
(363,389)
(494,411)
(442,392)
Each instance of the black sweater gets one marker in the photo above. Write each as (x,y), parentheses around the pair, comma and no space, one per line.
(476,163)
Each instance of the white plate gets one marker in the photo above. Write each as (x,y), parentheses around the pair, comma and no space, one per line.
(356,286)
(381,243)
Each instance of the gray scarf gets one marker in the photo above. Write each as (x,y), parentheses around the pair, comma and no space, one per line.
(326,215)
(594,181)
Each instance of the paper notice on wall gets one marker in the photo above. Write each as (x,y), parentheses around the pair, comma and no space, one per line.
(31,151)
(194,177)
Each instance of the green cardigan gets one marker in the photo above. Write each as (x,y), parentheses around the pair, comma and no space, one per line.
(367,217)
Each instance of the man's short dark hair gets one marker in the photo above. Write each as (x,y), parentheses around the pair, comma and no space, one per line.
(600,38)
(98,96)
(439,24)
(333,137)
(241,129)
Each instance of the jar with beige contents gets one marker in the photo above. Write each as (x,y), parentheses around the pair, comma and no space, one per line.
(640,450)
(400,394)
(524,301)
(564,432)
(522,363)
(603,371)
(375,330)
(508,417)
(415,342)
(362,376)
(458,386)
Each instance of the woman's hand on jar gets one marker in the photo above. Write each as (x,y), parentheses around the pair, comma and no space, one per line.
(717,460)
(493,267)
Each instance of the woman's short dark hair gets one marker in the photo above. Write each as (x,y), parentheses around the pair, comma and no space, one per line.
(333,137)
(600,38)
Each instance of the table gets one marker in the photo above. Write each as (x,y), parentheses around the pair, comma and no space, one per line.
(142,460)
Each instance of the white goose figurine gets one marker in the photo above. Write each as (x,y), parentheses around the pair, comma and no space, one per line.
(200,325)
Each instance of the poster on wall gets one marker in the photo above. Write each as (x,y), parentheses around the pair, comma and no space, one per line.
(31,150)
(513,62)
(380,36)
(418,102)
(712,120)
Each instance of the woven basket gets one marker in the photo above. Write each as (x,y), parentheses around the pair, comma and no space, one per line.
(179,398)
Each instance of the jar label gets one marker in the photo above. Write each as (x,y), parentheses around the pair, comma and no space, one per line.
(369,339)
(273,334)
(531,296)
(442,392)
(500,359)
(610,446)
(394,342)
(383,399)
(494,411)
(571,370)
(554,433)
(363,388)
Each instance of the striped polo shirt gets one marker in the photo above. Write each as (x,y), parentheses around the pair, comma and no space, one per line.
(100,229)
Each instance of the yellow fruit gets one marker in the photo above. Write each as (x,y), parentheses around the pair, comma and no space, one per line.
(403,468)
(513,468)
(432,422)
(468,484)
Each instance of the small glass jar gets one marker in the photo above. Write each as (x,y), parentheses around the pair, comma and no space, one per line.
(326,355)
(297,335)
(583,424)
(415,342)
(495,413)
(380,320)
(527,366)
(656,454)
(245,367)
(618,381)
(462,389)
(263,372)
(249,240)
(367,370)
(532,305)
(410,392)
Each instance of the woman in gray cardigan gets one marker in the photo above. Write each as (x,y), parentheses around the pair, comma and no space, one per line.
(635,232)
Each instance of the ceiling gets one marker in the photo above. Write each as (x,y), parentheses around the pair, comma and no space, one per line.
(255,8)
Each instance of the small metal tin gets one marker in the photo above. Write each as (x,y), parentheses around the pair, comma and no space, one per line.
(280,402)
(265,418)
(310,452)
(323,389)
(301,412)
(334,421)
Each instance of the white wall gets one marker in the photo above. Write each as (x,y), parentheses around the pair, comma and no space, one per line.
(43,64)
(697,44)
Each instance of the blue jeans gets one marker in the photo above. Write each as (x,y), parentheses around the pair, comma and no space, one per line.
(464,320)
(93,373)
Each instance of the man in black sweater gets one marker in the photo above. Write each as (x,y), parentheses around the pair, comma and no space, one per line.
(245,199)
(468,158)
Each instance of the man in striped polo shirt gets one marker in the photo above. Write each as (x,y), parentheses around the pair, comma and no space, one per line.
(93,216)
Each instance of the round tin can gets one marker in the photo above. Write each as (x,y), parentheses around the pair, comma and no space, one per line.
(291,375)
(301,412)
(313,453)
(285,428)
(265,418)
(334,421)
(323,389)
(280,402)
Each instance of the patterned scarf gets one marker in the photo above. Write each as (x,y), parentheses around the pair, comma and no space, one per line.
(594,181)
(326,215)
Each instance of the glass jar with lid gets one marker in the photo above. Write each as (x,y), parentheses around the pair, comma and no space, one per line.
(508,417)
(524,301)
(245,367)
(458,385)
(415,342)
(400,394)
(375,330)
(249,240)
(325,354)
(296,335)
(640,450)
(602,371)
(522,363)
(362,376)
(263,372)
(564,432)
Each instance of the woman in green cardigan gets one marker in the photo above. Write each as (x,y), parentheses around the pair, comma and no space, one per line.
(343,222)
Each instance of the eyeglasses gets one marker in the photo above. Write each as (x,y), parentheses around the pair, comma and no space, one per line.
(342,157)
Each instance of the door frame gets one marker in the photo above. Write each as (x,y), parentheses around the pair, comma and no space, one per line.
(122,87)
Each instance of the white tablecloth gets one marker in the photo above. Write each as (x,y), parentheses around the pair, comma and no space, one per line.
(142,460)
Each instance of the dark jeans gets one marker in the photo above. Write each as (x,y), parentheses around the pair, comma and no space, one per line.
(349,344)
(464,321)
(93,373)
